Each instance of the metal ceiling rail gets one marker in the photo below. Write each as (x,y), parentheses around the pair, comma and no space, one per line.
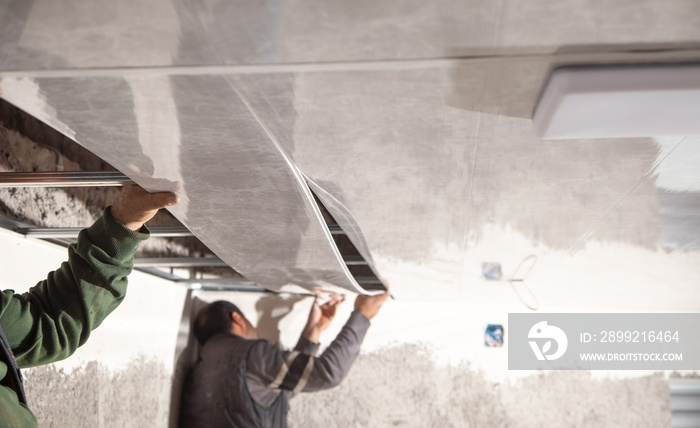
(63,179)
(221,284)
(206,284)
(186,262)
(111,178)
(148,266)
(232,284)
(354,260)
(85,179)
(224,287)
(368,280)
(179,262)
(218,281)
(72,232)
(156,231)
(362,280)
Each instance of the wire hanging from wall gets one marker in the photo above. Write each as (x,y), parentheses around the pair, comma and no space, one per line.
(523,279)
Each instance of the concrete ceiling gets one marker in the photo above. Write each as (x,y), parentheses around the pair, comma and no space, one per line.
(410,120)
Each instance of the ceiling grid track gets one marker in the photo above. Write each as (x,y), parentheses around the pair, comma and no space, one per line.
(306,191)
(65,235)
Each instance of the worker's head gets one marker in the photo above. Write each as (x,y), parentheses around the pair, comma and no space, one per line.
(222,317)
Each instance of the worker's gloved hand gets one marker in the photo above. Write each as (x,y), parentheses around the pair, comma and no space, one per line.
(134,206)
(320,317)
(369,305)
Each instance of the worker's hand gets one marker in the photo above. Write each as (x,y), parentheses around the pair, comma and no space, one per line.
(320,318)
(370,305)
(134,206)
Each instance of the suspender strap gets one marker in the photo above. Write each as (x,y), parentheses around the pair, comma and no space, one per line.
(13,379)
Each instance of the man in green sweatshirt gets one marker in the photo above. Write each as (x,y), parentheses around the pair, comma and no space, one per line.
(50,321)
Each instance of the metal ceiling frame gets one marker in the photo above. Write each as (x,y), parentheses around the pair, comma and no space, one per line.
(63,236)
(64,179)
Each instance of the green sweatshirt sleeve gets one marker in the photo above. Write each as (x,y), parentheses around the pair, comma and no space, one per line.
(50,321)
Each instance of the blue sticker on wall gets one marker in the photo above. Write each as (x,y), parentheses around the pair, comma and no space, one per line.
(492,271)
(493,337)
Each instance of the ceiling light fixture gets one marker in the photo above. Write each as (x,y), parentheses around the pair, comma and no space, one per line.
(620,101)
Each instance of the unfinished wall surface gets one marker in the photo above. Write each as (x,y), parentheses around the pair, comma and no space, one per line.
(96,396)
(399,386)
(402,386)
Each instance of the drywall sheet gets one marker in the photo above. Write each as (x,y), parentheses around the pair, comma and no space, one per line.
(197,135)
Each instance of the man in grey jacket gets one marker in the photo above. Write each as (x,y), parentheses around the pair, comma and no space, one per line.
(242,381)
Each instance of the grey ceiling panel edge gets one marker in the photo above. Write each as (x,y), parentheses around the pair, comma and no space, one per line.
(345,219)
(301,181)
(351,229)
(240,194)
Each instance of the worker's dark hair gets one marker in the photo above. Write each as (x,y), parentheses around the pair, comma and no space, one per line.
(213,319)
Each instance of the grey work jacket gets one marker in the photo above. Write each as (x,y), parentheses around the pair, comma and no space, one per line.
(247,383)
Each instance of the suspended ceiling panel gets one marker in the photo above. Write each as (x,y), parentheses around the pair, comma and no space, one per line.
(241,195)
(411,121)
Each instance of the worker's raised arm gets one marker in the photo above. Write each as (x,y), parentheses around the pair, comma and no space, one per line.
(53,318)
(302,371)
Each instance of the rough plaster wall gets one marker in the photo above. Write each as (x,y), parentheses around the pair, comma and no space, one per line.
(398,386)
(46,207)
(401,386)
(94,397)
(63,207)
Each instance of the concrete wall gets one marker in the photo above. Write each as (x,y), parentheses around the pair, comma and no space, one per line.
(403,386)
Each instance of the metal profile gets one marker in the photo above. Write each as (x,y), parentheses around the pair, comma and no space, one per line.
(187,262)
(147,265)
(368,280)
(72,232)
(63,179)
(224,287)
(179,262)
(156,232)
(685,402)
(354,260)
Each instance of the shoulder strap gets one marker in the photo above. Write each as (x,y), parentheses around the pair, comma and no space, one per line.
(13,379)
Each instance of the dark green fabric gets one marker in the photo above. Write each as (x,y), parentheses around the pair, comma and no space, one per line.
(53,318)
(14,414)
